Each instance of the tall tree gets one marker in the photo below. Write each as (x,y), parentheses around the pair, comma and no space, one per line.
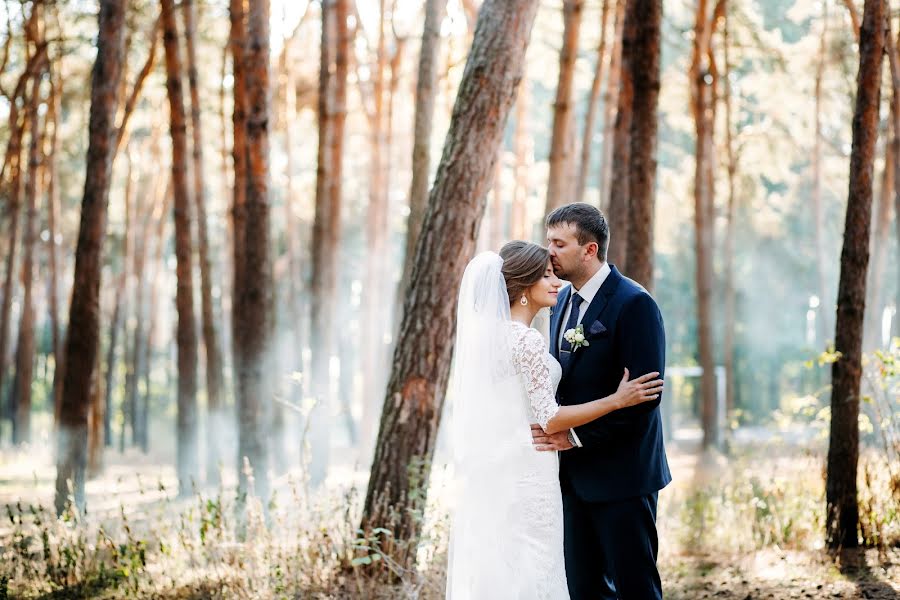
(237,40)
(559,180)
(640,58)
(25,344)
(211,346)
(51,173)
(703,79)
(82,341)
(120,309)
(426,90)
(255,320)
(421,363)
(842,508)
(611,108)
(186,335)
(730,308)
(590,120)
(327,222)
(619,210)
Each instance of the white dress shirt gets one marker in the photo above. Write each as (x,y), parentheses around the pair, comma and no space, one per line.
(587,293)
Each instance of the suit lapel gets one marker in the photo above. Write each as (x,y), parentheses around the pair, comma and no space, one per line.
(595,309)
(561,301)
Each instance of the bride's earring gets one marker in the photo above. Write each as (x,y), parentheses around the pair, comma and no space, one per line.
(523,301)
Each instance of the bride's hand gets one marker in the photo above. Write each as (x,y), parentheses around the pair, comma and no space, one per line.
(640,389)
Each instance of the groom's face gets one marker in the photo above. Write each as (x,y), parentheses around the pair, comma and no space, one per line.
(566,254)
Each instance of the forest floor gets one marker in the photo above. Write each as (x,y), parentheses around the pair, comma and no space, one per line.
(742,528)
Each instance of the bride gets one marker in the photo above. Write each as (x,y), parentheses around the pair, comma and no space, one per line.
(507,530)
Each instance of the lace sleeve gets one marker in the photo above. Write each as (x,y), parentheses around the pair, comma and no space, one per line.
(529,358)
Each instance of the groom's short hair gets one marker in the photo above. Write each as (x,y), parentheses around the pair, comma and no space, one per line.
(590,224)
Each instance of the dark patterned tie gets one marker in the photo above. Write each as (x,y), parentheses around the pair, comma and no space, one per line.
(565,348)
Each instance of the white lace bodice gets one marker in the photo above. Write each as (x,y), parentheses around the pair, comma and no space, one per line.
(540,372)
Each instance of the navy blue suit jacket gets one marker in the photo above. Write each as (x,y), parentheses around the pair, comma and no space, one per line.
(623,454)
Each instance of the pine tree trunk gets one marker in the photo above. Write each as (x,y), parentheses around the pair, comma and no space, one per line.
(186,335)
(702,85)
(590,120)
(327,223)
(610,108)
(640,57)
(82,341)
(25,345)
(730,293)
(255,320)
(14,153)
(619,182)
(238,42)
(426,91)
(415,394)
(559,180)
(51,173)
(211,345)
(842,510)
(120,313)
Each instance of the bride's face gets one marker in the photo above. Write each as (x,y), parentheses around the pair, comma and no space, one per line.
(544,292)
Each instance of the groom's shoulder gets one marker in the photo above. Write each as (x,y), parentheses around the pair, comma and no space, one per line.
(633,296)
(629,289)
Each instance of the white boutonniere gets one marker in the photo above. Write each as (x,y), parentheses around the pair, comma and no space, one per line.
(575,337)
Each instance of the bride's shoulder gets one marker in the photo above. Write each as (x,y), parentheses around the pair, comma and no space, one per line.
(525,335)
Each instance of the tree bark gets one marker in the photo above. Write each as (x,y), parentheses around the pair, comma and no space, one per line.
(842,509)
(702,85)
(186,335)
(54,116)
(610,108)
(25,345)
(619,182)
(238,42)
(640,57)
(327,222)
(415,394)
(255,320)
(730,293)
(590,120)
(211,345)
(14,157)
(83,339)
(120,312)
(426,90)
(559,180)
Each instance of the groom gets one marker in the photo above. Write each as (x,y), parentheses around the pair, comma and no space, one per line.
(612,468)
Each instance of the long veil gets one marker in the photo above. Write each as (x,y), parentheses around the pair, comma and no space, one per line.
(490,431)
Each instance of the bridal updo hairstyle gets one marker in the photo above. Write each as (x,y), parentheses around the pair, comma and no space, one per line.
(524,263)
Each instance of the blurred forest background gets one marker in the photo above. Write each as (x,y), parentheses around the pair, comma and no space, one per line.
(231,245)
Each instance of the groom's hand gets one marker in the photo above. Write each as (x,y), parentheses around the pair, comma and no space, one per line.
(546,442)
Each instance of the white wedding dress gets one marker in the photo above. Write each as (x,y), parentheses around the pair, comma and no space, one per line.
(507,525)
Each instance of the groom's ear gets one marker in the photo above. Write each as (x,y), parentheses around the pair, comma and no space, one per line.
(591,249)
